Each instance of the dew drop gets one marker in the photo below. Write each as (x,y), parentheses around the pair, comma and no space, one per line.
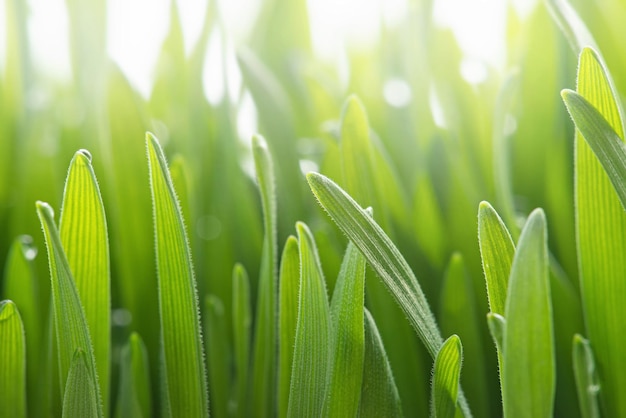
(85,153)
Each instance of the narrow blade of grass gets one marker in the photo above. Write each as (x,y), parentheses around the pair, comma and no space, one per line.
(586,377)
(288,317)
(497,251)
(80,399)
(312,347)
(71,326)
(528,386)
(12,362)
(263,401)
(446,376)
(183,353)
(217,356)
(134,399)
(379,394)
(601,240)
(347,337)
(497,325)
(242,322)
(571,25)
(83,231)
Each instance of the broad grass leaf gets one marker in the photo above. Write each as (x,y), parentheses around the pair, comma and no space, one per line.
(601,240)
(446,376)
(83,231)
(289,284)
(72,331)
(347,337)
(528,384)
(242,323)
(183,353)
(134,399)
(263,401)
(586,377)
(81,398)
(311,354)
(12,362)
(379,394)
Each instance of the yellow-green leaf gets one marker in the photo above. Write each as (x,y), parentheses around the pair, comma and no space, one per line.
(242,322)
(80,399)
(12,362)
(446,376)
(134,399)
(586,375)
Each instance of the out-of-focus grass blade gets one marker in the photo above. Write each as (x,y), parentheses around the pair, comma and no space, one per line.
(81,398)
(497,251)
(608,147)
(458,315)
(311,354)
(20,286)
(601,240)
(242,322)
(183,355)
(379,395)
(528,384)
(347,337)
(12,362)
(497,325)
(586,377)
(585,372)
(446,376)
(217,356)
(385,259)
(83,231)
(263,401)
(134,398)
(70,323)
(289,284)
(571,25)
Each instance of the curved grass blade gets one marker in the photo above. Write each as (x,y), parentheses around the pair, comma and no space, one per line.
(80,399)
(571,25)
(242,322)
(181,179)
(83,231)
(607,146)
(288,317)
(379,394)
(586,377)
(446,376)
(183,353)
(312,348)
(528,386)
(263,401)
(217,356)
(12,362)
(347,337)
(601,240)
(20,286)
(134,398)
(497,326)
(384,258)
(458,315)
(71,326)
(497,251)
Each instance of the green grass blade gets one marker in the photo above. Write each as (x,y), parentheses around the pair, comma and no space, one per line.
(242,322)
(458,315)
(288,317)
(607,146)
(601,240)
(379,394)
(184,370)
(528,386)
(312,348)
(571,25)
(217,356)
(497,325)
(181,179)
(81,398)
(70,323)
(586,377)
(497,251)
(83,231)
(263,396)
(134,398)
(20,286)
(347,337)
(446,376)
(12,362)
